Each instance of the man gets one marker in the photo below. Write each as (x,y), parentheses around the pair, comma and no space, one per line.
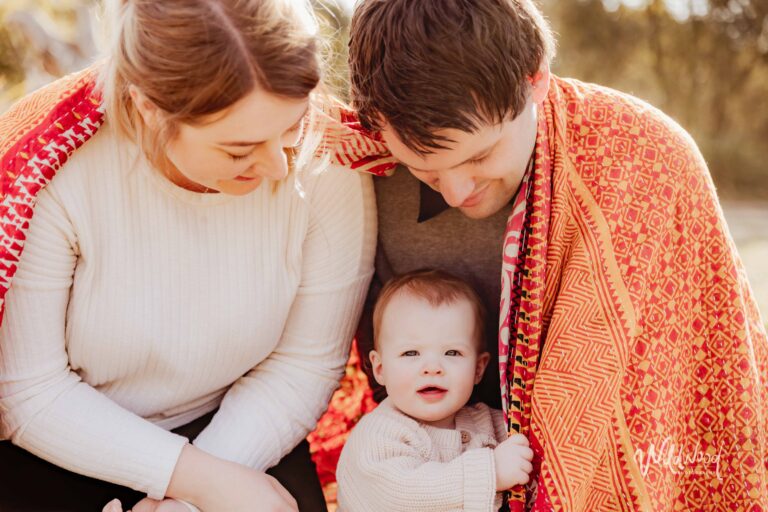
(631,351)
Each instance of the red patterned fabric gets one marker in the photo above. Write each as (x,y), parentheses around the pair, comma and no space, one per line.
(351,402)
(636,319)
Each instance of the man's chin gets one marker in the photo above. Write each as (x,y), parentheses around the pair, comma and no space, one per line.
(478,212)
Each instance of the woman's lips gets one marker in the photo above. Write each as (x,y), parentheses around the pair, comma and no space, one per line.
(245,178)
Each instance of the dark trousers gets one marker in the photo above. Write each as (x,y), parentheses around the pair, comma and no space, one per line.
(30,484)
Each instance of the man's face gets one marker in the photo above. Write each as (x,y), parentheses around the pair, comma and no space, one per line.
(479,172)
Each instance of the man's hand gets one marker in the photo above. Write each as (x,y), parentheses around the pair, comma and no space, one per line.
(513,462)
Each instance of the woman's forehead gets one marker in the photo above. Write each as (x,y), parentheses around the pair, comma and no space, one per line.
(257,117)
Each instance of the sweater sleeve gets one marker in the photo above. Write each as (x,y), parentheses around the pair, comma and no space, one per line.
(385,467)
(45,407)
(267,412)
(500,429)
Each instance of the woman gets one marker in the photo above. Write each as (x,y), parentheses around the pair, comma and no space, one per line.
(177,280)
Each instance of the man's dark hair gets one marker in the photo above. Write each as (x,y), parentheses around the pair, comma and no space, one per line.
(426,65)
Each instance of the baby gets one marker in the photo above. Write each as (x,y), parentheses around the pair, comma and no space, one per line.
(423,448)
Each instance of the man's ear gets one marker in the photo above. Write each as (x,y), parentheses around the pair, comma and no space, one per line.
(482,362)
(148,111)
(376,367)
(540,83)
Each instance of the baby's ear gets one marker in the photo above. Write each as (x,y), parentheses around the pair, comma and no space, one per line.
(376,367)
(482,362)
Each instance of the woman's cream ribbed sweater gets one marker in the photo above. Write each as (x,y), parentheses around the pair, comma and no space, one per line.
(139,306)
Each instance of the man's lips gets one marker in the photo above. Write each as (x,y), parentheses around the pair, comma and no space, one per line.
(474,198)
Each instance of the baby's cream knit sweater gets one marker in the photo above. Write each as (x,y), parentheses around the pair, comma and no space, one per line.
(392,463)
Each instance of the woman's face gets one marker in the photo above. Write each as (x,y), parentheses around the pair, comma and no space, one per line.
(234,150)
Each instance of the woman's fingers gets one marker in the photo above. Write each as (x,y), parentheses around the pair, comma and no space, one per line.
(113,506)
(145,505)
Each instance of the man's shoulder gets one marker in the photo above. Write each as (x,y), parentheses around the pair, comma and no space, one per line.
(608,128)
(592,109)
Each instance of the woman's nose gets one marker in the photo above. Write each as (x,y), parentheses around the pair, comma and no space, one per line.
(274,164)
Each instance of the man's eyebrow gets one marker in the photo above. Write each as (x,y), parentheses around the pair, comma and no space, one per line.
(241,143)
(477,155)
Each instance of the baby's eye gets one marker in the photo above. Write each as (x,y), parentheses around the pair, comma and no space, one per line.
(452,353)
(410,353)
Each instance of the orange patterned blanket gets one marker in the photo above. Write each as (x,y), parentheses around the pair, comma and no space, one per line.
(636,320)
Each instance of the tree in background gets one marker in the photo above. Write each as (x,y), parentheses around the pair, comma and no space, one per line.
(704,62)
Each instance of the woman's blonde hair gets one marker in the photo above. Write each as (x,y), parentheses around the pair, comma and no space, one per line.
(194,58)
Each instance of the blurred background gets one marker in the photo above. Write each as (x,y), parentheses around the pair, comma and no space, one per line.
(703,62)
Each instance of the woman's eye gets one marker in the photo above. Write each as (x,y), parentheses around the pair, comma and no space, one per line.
(292,137)
(410,353)
(236,158)
(453,353)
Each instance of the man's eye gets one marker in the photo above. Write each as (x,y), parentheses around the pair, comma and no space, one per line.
(410,353)
(478,160)
(452,353)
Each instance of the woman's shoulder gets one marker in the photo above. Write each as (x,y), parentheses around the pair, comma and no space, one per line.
(104,156)
(321,175)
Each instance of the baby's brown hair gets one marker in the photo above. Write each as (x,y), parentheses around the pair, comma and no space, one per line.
(437,288)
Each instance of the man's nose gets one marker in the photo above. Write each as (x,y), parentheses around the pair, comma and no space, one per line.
(456,188)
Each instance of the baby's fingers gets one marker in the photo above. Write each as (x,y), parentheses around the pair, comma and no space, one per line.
(523,452)
(519,439)
(521,477)
(526,466)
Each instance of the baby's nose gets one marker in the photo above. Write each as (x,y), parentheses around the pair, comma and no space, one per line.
(432,369)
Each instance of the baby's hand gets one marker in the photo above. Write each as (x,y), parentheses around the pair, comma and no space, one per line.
(513,462)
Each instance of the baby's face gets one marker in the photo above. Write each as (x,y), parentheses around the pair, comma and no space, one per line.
(428,358)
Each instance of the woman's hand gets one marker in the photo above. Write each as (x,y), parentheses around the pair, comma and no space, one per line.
(148,505)
(213,484)
(246,489)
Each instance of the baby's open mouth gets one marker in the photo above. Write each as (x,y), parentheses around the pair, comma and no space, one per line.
(431,390)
